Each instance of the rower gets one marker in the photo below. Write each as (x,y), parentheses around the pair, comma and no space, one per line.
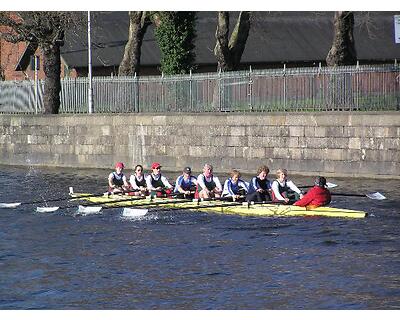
(234,186)
(157,184)
(317,196)
(260,186)
(185,185)
(283,189)
(117,182)
(138,182)
(208,185)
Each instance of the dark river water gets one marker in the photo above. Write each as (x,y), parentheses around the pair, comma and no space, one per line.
(188,260)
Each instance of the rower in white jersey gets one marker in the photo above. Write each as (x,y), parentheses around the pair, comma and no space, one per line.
(138,182)
(185,185)
(117,182)
(283,189)
(208,185)
(157,184)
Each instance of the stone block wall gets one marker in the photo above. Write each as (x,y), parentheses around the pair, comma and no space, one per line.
(333,144)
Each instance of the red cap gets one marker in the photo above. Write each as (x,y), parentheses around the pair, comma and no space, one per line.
(155,165)
(120,165)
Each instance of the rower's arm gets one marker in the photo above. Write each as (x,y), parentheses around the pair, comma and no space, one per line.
(245,185)
(133,182)
(125,181)
(275,190)
(218,184)
(166,182)
(148,183)
(200,182)
(110,181)
(292,186)
(227,191)
(178,184)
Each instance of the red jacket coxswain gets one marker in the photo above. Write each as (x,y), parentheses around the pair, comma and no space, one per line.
(317,196)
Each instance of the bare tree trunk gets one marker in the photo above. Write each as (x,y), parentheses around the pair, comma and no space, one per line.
(342,53)
(221,49)
(239,37)
(52,84)
(130,63)
(228,51)
(343,50)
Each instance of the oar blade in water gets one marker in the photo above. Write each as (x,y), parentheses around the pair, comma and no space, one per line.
(88,210)
(10,205)
(132,212)
(46,209)
(376,196)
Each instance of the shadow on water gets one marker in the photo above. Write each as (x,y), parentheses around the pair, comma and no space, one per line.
(190,260)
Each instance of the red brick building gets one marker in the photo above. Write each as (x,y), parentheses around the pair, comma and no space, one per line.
(17,62)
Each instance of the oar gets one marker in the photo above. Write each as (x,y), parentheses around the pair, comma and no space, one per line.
(52,209)
(373,196)
(329,185)
(71,191)
(137,212)
(17,204)
(155,203)
(167,201)
(81,209)
(87,209)
(150,203)
(175,194)
(108,193)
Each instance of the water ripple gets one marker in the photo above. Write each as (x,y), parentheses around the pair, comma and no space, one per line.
(188,260)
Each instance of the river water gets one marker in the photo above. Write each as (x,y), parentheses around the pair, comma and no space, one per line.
(188,260)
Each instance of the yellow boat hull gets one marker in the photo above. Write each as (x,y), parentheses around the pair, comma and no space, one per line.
(223,207)
(114,200)
(286,210)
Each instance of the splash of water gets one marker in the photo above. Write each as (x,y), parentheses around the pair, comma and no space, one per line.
(32,171)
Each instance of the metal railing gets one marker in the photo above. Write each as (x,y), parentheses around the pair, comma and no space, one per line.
(295,89)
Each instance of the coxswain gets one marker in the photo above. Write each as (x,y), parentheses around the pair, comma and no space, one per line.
(185,185)
(317,196)
(157,184)
(117,181)
(283,189)
(235,187)
(208,185)
(260,186)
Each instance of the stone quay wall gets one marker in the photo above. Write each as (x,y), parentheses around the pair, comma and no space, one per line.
(326,143)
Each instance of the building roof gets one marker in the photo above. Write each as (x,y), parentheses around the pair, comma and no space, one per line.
(275,37)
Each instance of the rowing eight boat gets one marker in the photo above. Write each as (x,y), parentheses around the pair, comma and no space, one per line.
(223,207)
